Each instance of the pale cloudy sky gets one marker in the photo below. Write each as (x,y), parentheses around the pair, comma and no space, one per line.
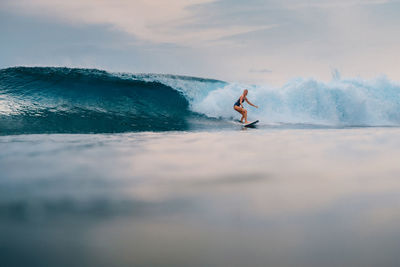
(236,40)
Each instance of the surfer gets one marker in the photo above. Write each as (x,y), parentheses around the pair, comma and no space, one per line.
(238,106)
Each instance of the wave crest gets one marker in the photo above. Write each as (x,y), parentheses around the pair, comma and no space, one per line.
(58,100)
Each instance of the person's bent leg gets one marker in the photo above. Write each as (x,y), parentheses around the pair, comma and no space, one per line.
(238,109)
(241,111)
(245,116)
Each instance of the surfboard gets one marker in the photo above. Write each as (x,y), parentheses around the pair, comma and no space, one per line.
(251,124)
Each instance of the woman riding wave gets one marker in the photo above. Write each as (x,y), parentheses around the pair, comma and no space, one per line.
(238,106)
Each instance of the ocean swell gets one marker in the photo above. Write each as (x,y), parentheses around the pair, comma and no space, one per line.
(64,100)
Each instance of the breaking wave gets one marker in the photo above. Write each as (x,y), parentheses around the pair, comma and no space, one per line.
(64,100)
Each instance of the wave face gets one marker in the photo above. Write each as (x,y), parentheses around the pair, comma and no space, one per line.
(63,100)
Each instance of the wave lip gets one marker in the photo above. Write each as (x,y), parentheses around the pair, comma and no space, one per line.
(63,100)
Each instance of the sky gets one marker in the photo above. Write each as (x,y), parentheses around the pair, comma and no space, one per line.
(253,41)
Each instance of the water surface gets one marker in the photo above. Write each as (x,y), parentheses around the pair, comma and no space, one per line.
(277,197)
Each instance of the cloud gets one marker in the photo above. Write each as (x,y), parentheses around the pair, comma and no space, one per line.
(225,39)
(334,4)
(148,20)
(260,70)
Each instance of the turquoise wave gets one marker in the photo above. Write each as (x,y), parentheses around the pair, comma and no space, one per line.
(64,100)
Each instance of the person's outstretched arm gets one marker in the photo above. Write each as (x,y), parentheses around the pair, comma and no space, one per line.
(251,104)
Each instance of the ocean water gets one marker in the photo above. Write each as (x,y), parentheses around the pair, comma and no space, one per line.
(102,169)
(61,100)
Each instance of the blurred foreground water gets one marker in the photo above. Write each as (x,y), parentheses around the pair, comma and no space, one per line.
(306,197)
